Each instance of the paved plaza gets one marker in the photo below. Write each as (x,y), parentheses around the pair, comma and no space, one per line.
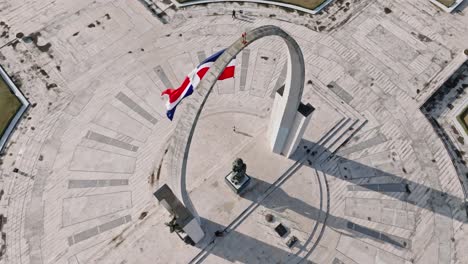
(372,180)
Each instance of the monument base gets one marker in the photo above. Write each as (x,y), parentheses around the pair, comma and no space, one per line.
(284,140)
(237,188)
(182,218)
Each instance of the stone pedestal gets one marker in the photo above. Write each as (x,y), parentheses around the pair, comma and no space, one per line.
(237,188)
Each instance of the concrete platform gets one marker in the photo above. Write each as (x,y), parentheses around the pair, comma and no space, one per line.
(372,182)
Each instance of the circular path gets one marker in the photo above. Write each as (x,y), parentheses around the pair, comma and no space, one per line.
(370,183)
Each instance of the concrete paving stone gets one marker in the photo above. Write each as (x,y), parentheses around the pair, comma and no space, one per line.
(388,187)
(110,141)
(112,118)
(163,77)
(87,234)
(84,235)
(86,159)
(95,183)
(79,209)
(244,68)
(265,65)
(340,92)
(181,66)
(136,108)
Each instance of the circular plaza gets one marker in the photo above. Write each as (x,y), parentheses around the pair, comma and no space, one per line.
(378,177)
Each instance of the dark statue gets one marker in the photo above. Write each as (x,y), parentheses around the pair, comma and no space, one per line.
(173,226)
(239,169)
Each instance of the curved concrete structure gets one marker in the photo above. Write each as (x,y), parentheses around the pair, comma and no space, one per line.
(283,113)
(267,2)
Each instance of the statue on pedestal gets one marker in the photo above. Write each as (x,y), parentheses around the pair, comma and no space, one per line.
(239,169)
(173,226)
(238,179)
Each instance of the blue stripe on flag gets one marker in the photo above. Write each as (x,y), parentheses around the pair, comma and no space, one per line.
(170,113)
(213,57)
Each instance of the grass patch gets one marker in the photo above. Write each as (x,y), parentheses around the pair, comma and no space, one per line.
(309,4)
(9,105)
(463,119)
(447,3)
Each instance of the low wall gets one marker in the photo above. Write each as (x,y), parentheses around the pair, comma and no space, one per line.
(24,106)
(291,6)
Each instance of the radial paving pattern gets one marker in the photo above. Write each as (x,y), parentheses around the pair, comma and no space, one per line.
(371,182)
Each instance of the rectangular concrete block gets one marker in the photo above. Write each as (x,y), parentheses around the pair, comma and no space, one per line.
(303,116)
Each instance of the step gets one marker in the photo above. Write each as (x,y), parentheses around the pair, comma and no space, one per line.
(345,129)
(346,135)
(336,129)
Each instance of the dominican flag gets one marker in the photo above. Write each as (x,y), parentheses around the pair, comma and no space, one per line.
(192,80)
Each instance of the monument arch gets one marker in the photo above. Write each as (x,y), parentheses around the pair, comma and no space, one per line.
(288,120)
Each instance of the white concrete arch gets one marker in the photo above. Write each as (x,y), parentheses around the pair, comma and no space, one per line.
(283,117)
(284,111)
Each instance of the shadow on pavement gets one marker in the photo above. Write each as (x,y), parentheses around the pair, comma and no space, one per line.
(237,247)
(394,186)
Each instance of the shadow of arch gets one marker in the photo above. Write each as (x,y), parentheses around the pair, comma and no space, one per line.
(187,123)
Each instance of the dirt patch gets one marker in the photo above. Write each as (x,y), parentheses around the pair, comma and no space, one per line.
(143,215)
(34,38)
(51,86)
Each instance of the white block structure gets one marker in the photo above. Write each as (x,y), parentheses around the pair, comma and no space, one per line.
(194,230)
(184,218)
(296,131)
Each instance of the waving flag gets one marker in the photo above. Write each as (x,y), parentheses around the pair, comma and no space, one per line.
(192,80)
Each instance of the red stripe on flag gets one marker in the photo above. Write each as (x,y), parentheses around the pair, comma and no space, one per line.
(227,73)
(202,72)
(174,94)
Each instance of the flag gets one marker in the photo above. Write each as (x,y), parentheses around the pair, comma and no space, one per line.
(192,80)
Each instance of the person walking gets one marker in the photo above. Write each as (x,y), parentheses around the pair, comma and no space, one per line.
(233,14)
